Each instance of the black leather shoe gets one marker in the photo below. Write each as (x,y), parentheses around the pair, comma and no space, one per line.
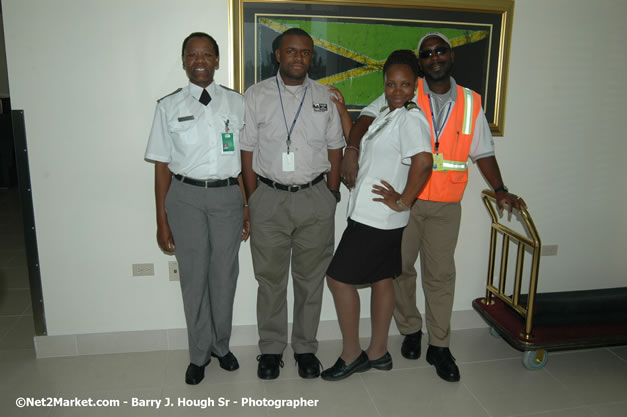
(384,363)
(228,362)
(340,370)
(269,365)
(195,373)
(308,365)
(444,363)
(410,349)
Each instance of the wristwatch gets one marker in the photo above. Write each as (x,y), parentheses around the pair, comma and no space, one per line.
(502,188)
(337,195)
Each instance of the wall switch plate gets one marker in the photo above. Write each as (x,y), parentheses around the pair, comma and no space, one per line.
(173,267)
(143,270)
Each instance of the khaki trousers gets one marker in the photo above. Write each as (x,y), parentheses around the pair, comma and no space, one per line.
(298,229)
(432,231)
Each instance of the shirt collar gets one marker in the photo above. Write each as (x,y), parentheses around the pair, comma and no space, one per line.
(282,83)
(453,89)
(196,90)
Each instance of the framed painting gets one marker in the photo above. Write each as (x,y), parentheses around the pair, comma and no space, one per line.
(352,39)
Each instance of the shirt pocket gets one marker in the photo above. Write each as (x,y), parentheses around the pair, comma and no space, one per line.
(184,127)
(317,134)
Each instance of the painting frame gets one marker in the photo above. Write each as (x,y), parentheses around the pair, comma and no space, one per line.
(492,64)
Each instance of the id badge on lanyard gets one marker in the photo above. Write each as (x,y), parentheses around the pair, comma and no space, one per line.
(228,144)
(438,158)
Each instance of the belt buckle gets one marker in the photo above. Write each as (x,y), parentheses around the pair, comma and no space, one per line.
(293,188)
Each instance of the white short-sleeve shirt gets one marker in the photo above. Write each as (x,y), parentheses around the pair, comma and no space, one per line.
(386,151)
(187,135)
(482,143)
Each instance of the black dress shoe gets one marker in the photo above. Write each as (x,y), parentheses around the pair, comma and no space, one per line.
(269,365)
(410,348)
(340,370)
(308,365)
(444,363)
(228,362)
(384,363)
(195,373)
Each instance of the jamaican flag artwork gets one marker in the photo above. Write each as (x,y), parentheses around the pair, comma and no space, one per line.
(352,43)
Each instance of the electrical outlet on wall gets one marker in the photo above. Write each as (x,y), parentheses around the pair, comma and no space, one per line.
(173,267)
(143,270)
(549,250)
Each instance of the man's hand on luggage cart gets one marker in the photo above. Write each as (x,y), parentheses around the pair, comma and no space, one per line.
(511,200)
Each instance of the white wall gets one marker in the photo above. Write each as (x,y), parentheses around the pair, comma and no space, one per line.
(87,74)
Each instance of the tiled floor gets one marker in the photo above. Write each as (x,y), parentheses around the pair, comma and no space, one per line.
(590,383)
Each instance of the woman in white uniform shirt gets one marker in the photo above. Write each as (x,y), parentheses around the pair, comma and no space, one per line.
(201,211)
(395,155)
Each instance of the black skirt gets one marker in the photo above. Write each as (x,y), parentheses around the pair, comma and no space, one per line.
(366,254)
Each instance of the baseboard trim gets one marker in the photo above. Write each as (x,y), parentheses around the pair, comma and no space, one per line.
(176,339)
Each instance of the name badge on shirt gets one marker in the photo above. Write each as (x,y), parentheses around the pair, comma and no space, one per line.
(288,162)
(228,146)
(186,118)
(320,106)
(438,162)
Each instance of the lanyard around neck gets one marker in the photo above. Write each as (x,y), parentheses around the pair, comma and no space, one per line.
(437,131)
(291,129)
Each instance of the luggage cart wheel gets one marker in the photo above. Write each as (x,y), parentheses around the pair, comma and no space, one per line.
(535,359)
(495,332)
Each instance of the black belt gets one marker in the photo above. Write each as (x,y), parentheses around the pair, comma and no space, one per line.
(206,183)
(291,188)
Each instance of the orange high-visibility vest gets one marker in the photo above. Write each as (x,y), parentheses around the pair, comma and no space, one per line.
(448,182)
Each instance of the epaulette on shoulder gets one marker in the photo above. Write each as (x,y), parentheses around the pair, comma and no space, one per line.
(383,108)
(410,105)
(172,93)
(230,89)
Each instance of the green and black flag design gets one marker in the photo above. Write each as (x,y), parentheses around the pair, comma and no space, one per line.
(349,53)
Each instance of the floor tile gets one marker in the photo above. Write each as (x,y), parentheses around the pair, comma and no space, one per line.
(211,399)
(14,302)
(20,336)
(6,324)
(12,238)
(611,410)
(14,278)
(6,258)
(592,376)
(75,375)
(16,260)
(109,372)
(9,398)
(479,345)
(569,412)
(402,392)
(505,388)
(348,397)
(621,352)
(19,369)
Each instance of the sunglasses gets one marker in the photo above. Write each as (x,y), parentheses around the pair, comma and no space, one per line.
(427,53)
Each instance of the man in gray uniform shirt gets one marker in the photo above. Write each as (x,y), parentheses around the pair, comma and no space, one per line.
(292,137)
(195,145)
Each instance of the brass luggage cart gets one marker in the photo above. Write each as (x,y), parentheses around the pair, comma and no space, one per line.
(570,320)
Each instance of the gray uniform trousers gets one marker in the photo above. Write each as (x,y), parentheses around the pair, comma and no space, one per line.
(432,230)
(206,224)
(298,226)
